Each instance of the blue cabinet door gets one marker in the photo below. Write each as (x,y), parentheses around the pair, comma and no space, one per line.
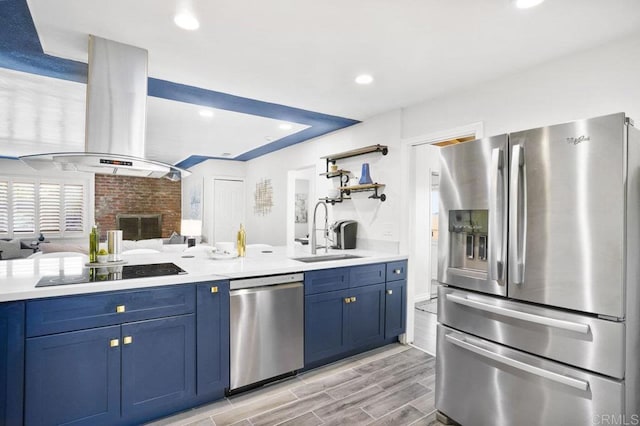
(324,333)
(158,366)
(212,324)
(365,321)
(11,362)
(396,308)
(73,377)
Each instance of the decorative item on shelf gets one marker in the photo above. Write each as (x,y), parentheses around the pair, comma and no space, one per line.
(41,237)
(333,193)
(241,244)
(103,256)
(191,228)
(365,178)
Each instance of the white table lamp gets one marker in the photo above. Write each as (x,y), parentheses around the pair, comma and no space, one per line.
(191,229)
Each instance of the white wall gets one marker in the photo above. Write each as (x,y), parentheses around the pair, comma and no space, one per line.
(377,220)
(599,81)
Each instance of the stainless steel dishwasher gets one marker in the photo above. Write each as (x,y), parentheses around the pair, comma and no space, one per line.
(267,329)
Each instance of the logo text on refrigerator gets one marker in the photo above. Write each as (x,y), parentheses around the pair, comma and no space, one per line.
(579,139)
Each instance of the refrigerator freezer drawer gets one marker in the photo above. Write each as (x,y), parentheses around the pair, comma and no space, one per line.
(582,341)
(482,383)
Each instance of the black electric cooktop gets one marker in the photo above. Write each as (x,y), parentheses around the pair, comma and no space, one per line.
(112,273)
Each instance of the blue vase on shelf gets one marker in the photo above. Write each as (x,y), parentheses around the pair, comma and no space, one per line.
(365,177)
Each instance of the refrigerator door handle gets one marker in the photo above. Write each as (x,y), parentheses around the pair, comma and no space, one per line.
(537,371)
(517,231)
(497,233)
(524,316)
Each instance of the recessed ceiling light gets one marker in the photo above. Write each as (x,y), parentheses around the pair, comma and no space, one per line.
(285,126)
(525,4)
(364,79)
(268,138)
(186,21)
(206,113)
(226,154)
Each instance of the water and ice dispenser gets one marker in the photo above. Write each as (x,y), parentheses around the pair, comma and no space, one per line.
(468,230)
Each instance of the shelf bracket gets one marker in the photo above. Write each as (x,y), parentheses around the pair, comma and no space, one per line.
(376,196)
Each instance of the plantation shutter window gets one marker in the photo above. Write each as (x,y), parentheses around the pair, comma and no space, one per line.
(73,208)
(50,204)
(4,207)
(23,205)
(30,207)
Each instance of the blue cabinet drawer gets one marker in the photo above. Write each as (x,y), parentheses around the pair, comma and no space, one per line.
(397,270)
(70,313)
(366,275)
(326,280)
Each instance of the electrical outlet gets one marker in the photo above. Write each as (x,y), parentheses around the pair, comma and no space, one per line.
(387,230)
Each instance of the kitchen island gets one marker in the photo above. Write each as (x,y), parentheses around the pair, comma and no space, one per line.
(128,351)
(19,277)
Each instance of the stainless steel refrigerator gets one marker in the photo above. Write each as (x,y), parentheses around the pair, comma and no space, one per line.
(539,257)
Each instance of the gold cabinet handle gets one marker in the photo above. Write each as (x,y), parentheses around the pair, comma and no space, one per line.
(214,289)
(353,299)
(389,291)
(120,309)
(127,340)
(397,271)
(347,300)
(114,342)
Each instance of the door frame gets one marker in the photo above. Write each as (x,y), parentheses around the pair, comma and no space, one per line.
(292,175)
(408,239)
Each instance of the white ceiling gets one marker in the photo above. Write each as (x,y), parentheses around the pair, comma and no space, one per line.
(306,53)
(42,114)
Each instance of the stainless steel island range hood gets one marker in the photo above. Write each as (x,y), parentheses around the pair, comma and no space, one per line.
(116,118)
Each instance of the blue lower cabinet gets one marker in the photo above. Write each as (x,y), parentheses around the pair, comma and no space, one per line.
(370,313)
(365,320)
(73,377)
(324,332)
(396,308)
(212,323)
(158,366)
(11,362)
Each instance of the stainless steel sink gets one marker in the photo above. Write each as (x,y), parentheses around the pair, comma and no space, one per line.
(326,258)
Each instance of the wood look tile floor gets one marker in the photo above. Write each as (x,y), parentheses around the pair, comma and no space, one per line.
(393,385)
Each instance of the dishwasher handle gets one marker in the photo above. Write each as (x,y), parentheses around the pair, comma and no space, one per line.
(260,289)
(265,281)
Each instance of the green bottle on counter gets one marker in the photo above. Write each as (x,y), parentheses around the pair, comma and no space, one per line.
(94,243)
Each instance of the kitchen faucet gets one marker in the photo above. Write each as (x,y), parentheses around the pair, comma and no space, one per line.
(325,230)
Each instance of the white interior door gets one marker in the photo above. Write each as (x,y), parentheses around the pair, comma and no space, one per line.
(228,209)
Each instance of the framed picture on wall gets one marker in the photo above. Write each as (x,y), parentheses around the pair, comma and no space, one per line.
(192,198)
(301,208)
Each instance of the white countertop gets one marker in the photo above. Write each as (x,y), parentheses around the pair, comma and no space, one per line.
(19,277)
